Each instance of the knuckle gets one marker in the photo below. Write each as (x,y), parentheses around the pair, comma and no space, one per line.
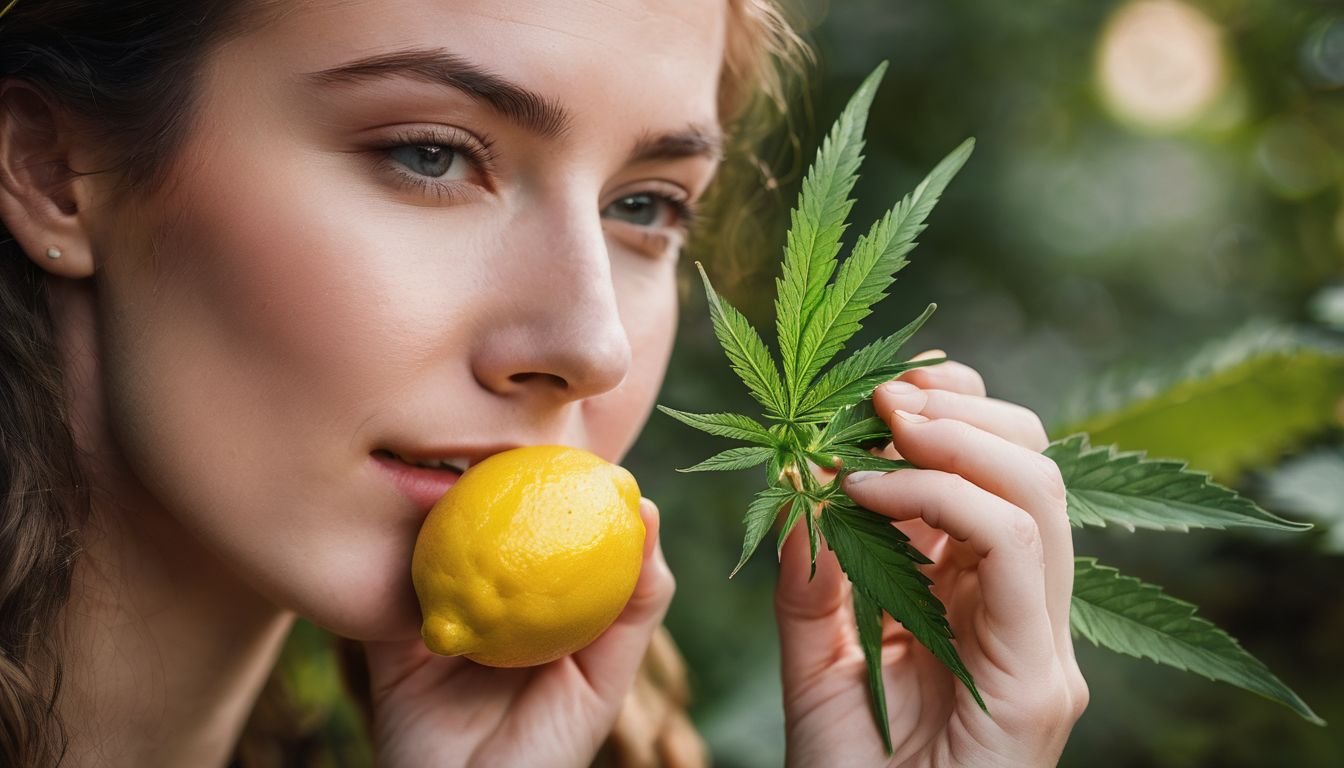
(1040,704)
(1079,695)
(975,381)
(1052,481)
(1024,532)
(1033,429)
(936,482)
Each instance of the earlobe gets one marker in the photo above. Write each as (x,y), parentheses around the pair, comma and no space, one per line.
(40,196)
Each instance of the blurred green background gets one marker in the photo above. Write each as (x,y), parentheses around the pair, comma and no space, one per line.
(1155,198)
(1148,244)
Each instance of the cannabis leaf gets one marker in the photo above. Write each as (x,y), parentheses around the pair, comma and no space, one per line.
(1283,383)
(1126,615)
(746,352)
(881,563)
(1105,485)
(824,418)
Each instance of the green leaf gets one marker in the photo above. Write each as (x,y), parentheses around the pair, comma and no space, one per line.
(880,560)
(1237,404)
(1105,486)
(867,273)
(854,378)
(1128,616)
(855,425)
(816,225)
(732,425)
(761,514)
(746,352)
(813,543)
(801,503)
(868,616)
(734,458)
(854,459)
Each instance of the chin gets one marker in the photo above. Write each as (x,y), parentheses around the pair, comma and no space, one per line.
(361,603)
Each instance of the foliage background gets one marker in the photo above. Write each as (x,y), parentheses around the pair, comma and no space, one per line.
(1119,225)
(1110,220)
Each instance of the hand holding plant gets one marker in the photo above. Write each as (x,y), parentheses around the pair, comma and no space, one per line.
(961,609)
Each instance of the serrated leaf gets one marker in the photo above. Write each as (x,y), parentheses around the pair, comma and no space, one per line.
(813,543)
(731,425)
(853,459)
(856,425)
(1236,404)
(761,514)
(1106,486)
(746,351)
(868,617)
(817,223)
(1128,616)
(854,378)
(800,504)
(869,270)
(880,560)
(733,459)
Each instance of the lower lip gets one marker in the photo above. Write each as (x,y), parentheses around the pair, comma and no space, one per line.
(422,486)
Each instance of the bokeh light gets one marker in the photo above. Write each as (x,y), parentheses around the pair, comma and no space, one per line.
(1160,64)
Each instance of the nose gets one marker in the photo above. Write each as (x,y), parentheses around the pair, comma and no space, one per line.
(557,330)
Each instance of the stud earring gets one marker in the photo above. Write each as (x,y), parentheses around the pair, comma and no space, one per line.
(53,252)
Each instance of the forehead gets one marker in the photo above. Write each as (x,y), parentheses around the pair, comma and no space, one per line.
(658,58)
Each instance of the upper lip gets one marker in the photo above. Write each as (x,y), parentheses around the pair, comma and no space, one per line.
(452,454)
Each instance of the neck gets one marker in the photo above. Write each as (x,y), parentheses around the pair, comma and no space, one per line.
(163,660)
(164,651)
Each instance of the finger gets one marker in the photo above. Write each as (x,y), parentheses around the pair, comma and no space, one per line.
(813,616)
(949,375)
(1011,569)
(610,662)
(1020,476)
(1007,420)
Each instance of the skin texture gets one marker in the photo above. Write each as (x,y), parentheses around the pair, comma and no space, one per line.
(238,345)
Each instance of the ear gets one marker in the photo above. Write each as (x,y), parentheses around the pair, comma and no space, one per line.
(42,200)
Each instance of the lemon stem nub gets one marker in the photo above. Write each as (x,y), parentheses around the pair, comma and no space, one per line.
(446,637)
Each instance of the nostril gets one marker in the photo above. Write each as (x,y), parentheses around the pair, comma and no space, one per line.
(546,378)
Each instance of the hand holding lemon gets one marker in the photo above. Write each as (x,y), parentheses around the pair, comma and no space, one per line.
(539,554)
(528,557)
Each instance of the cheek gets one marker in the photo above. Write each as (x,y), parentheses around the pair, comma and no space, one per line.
(241,360)
(648,309)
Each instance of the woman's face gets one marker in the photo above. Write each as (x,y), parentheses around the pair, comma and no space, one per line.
(401,228)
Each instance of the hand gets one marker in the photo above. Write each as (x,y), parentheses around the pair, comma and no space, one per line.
(989,510)
(446,711)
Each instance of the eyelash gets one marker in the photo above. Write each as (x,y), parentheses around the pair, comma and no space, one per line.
(483,158)
(479,155)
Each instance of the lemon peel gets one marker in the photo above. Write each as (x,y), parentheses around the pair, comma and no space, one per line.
(529,557)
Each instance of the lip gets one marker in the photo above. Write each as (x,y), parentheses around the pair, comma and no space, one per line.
(422,485)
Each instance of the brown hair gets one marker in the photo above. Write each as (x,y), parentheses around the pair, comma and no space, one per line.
(130,69)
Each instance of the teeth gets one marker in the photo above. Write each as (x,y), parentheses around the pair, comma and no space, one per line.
(455,463)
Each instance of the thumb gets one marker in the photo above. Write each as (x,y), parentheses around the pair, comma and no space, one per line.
(814,617)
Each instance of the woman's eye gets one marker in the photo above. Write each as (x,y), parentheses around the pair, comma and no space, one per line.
(643,210)
(433,160)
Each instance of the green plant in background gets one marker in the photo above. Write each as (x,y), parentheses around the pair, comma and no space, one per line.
(824,418)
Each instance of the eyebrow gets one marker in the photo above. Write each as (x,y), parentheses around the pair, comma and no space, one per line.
(527,108)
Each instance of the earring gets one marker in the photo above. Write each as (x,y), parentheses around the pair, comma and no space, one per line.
(53,252)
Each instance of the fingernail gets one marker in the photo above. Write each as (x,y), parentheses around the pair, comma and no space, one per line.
(897,388)
(928,353)
(904,396)
(854,478)
(913,418)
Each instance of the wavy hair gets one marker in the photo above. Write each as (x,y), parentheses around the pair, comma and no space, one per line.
(131,69)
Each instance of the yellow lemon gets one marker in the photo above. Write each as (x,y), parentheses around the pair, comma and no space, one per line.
(528,557)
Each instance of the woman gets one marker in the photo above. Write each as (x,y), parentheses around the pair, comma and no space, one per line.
(267,254)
